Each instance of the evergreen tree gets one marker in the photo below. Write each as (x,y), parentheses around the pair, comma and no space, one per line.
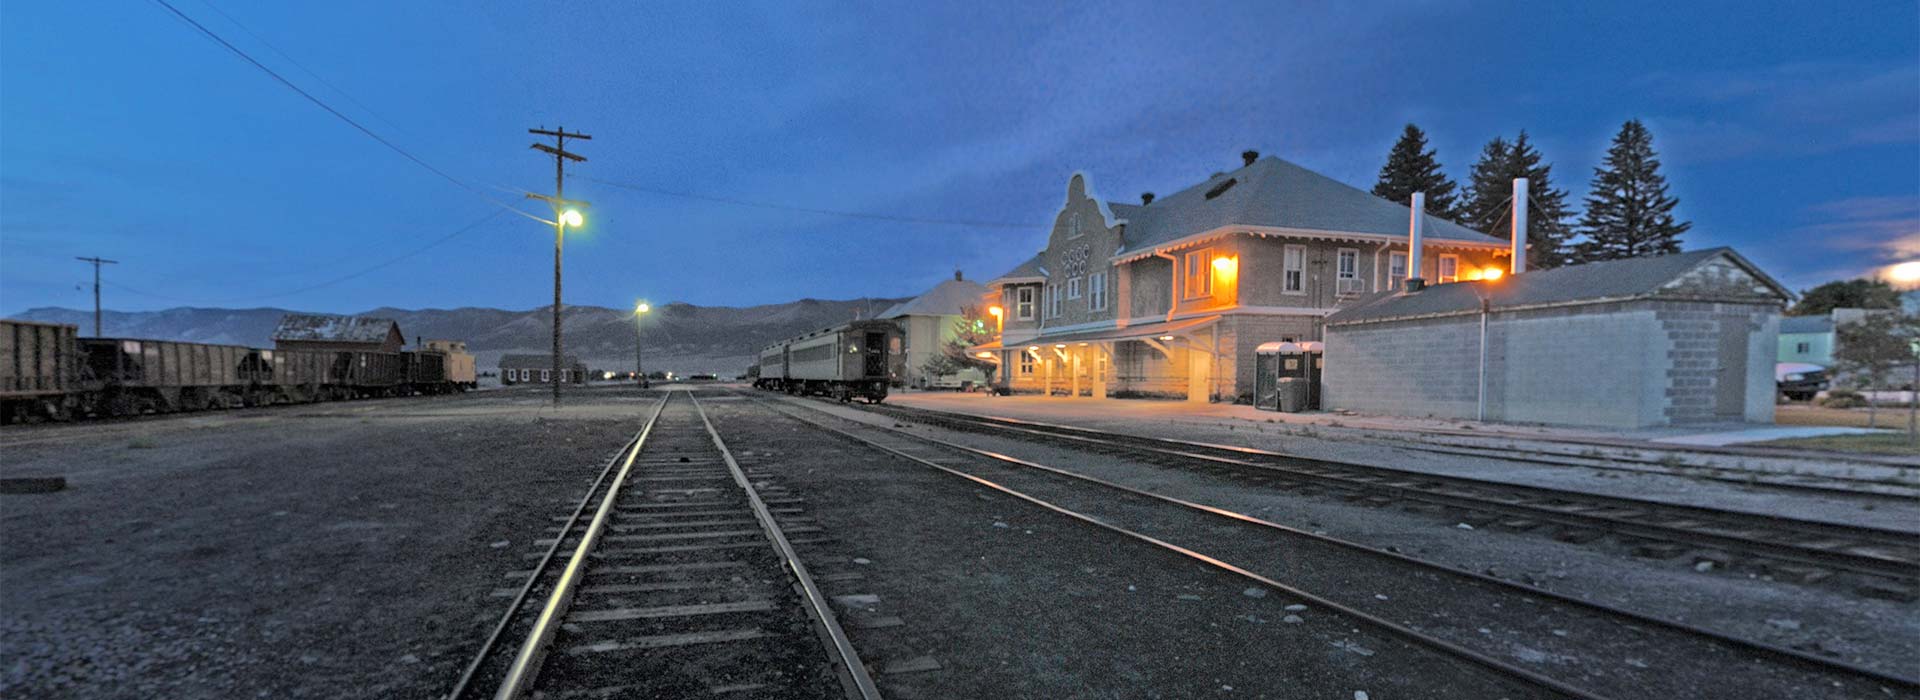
(1846,294)
(1487,205)
(1411,168)
(1628,211)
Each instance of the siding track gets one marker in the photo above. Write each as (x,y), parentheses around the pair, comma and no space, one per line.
(681,581)
(1562,645)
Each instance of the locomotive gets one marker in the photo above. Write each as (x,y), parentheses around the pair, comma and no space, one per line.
(47,371)
(852,360)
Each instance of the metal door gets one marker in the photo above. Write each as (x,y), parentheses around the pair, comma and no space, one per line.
(876,356)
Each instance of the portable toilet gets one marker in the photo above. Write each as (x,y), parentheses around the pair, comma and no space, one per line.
(1287,376)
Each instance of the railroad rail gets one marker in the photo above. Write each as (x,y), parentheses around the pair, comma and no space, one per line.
(1809,550)
(682,580)
(1247,550)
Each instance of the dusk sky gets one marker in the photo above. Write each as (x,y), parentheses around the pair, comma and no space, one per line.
(1789,131)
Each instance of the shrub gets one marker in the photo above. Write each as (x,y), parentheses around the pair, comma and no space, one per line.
(1843,398)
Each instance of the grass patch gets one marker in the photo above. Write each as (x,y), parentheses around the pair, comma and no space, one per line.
(1872,443)
(142,443)
(1805,414)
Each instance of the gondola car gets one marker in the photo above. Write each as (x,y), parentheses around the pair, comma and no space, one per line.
(852,360)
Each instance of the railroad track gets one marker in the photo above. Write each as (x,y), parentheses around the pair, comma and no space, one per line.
(1558,644)
(1879,562)
(675,576)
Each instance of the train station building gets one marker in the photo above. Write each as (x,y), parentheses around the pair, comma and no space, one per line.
(1171,297)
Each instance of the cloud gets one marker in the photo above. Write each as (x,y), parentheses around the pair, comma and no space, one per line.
(1786,109)
(1863,236)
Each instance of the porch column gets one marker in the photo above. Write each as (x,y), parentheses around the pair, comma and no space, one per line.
(1073,378)
(1102,366)
(1046,372)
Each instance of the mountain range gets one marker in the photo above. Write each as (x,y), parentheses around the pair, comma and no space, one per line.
(678,337)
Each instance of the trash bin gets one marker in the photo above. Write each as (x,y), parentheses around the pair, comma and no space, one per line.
(1294,393)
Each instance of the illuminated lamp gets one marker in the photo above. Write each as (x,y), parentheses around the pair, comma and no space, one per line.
(1490,274)
(1166,338)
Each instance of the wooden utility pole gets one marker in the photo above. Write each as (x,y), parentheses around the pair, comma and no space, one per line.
(97,262)
(560,205)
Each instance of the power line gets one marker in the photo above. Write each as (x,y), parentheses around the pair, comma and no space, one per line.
(808,210)
(456,233)
(337,113)
(296,63)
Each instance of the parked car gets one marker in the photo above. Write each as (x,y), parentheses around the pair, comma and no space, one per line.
(1799,381)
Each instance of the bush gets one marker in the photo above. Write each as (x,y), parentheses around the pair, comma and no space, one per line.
(1843,398)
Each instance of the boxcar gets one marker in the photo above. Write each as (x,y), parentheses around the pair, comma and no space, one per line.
(39,369)
(852,360)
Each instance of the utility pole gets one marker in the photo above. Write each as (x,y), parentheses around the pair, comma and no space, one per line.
(560,207)
(97,262)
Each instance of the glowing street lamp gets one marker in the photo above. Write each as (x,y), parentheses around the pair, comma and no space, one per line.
(572,218)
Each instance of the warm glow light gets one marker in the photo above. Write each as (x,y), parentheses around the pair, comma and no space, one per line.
(642,308)
(1060,346)
(1223,264)
(1166,338)
(1490,274)
(1905,273)
(1470,275)
(572,218)
(983,354)
(996,311)
(1033,348)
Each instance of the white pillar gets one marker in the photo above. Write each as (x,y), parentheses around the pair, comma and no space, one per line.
(1416,229)
(1519,225)
(1073,366)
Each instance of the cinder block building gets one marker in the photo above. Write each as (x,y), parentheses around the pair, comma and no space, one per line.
(1171,296)
(1674,339)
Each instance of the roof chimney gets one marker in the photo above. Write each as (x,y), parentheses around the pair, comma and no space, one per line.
(956,276)
(1519,225)
(1250,156)
(1146,198)
(1416,229)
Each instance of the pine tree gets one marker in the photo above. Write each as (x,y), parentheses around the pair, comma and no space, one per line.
(1412,168)
(1628,211)
(1488,204)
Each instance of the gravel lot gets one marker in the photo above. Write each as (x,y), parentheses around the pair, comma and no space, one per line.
(333,550)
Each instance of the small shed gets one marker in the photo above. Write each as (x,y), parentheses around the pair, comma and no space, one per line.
(330,332)
(538,369)
(1642,342)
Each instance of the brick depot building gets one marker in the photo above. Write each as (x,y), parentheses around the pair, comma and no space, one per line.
(1675,339)
(1171,297)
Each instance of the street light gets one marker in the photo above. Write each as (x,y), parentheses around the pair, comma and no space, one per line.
(572,218)
(639,371)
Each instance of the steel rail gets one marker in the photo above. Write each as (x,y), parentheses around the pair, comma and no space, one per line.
(1501,667)
(1793,656)
(533,579)
(526,664)
(822,613)
(1874,566)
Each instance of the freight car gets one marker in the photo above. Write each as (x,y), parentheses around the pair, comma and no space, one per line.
(48,372)
(853,360)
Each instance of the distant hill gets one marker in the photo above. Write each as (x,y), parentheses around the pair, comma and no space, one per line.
(679,337)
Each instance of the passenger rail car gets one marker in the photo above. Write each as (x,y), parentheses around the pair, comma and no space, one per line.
(47,371)
(853,360)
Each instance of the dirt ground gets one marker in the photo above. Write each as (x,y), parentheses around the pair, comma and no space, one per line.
(324,551)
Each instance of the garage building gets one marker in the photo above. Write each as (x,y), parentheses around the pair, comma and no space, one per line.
(1674,339)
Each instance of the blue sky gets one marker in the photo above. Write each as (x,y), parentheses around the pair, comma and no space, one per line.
(1789,131)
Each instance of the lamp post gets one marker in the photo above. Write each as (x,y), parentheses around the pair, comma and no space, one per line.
(639,372)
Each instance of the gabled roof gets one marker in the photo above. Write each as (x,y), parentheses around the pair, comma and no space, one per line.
(537,362)
(945,299)
(1029,271)
(330,328)
(1612,280)
(1275,193)
(1807,324)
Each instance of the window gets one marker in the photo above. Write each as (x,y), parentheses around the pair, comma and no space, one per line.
(546,375)
(1293,270)
(1023,306)
(1026,364)
(1347,271)
(1396,269)
(1802,348)
(1449,269)
(1053,301)
(1097,290)
(1199,277)
(1073,288)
